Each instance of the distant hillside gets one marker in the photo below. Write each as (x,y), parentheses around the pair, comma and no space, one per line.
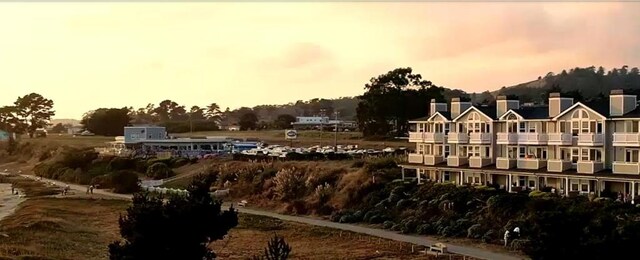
(589,82)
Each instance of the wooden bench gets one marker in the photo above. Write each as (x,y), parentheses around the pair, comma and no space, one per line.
(437,249)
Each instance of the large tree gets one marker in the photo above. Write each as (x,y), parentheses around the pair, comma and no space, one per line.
(180,227)
(393,98)
(169,110)
(196,113)
(106,121)
(9,120)
(35,111)
(248,121)
(213,113)
(284,121)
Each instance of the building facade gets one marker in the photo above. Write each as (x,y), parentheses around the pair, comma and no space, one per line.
(570,148)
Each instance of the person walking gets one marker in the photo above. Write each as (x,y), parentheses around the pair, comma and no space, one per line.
(506,238)
(91,189)
(516,231)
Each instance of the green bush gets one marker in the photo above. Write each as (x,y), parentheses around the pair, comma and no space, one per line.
(159,171)
(179,162)
(388,224)
(124,182)
(120,163)
(424,229)
(475,231)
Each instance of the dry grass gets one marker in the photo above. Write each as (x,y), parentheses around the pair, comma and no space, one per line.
(54,228)
(308,242)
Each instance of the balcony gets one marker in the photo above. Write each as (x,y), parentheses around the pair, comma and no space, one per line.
(590,139)
(434,138)
(505,163)
(480,138)
(532,138)
(416,137)
(457,138)
(556,165)
(589,167)
(457,161)
(479,162)
(416,158)
(433,159)
(531,164)
(559,139)
(626,168)
(507,138)
(626,139)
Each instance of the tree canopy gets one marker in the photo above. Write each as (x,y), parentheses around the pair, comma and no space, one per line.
(34,111)
(180,228)
(106,121)
(393,98)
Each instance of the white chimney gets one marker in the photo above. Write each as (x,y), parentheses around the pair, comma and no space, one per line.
(557,104)
(621,103)
(457,107)
(436,107)
(503,105)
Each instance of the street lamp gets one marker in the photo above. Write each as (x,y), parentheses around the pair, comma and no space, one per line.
(335,136)
(321,124)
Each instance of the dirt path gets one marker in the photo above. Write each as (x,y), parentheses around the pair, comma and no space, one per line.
(8,202)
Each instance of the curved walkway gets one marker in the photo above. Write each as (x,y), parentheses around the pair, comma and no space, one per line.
(418,240)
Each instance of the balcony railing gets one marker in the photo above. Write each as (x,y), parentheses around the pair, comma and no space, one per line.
(559,138)
(507,138)
(416,137)
(457,138)
(454,160)
(531,164)
(556,165)
(626,139)
(626,168)
(480,138)
(532,138)
(589,166)
(434,138)
(590,139)
(506,163)
(479,162)
(433,159)
(416,158)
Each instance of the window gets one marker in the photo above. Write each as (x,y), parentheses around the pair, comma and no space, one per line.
(574,155)
(420,149)
(512,152)
(522,181)
(584,187)
(631,155)
(595,155)
(522,152)
(532,184)
(574,186)
(446,151)
(585,155)
(134,136)
(446,176)
(522,127)
(487,152)
(446,128)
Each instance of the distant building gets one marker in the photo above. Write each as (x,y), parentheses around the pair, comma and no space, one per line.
(315,122)
(136,134)
(73,130)
(233,128)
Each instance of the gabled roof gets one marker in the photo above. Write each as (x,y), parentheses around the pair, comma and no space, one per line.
(487,111)
(579,104)
(445,114)
(631,114)
(533,112)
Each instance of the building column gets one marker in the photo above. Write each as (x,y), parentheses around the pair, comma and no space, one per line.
(419,172)
(566,185)
(461,181)
(509,182)
(598,187)
(633,191)
(545,181)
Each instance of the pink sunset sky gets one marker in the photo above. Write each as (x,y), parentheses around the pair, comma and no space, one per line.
(90,55)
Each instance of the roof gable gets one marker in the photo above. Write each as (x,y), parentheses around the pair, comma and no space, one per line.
(473,108)
(510,112)
(578,104)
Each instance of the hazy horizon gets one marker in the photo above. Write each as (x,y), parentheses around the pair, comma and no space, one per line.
(90,55)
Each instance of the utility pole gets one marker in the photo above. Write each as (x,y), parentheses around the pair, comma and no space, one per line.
(321,125)
(335,136)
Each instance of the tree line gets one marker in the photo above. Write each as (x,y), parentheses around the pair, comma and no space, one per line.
(27,114)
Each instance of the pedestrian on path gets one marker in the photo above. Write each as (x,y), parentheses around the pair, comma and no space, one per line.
(506,238)
(91,189)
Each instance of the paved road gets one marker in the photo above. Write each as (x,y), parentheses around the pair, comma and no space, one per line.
(418,240)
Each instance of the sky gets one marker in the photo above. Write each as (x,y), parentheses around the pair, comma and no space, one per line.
(86,56)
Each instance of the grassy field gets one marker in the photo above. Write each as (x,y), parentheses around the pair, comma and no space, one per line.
(305,138)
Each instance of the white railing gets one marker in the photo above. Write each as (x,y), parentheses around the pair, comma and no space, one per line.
(626,139)
(589,167)
(433,137)
(416,136)
(415,158)
(590,139)
(557,165)
(626,168)
(532,138)
(480,138)
(459,138)
(531,164)
(559,138)
(505,163)
(507,138)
